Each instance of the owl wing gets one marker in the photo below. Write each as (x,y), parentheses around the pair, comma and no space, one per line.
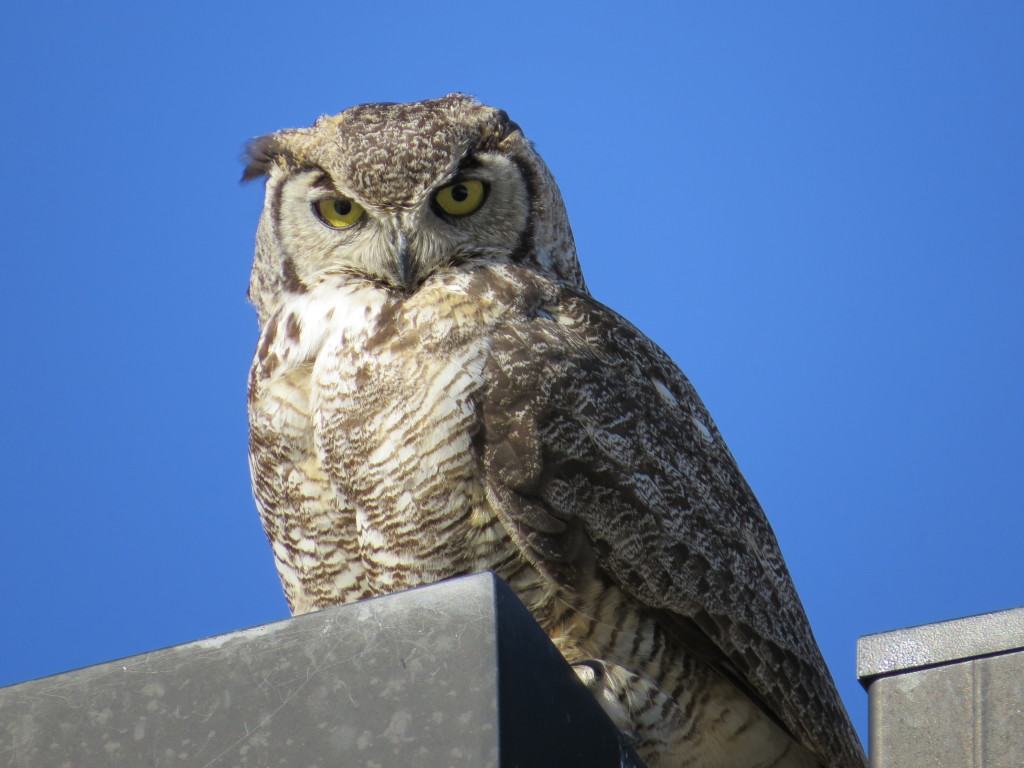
(600,456)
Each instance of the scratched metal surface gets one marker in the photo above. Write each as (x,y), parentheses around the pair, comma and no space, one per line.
(452,675)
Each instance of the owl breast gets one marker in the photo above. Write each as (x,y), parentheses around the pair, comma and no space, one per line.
(365,415)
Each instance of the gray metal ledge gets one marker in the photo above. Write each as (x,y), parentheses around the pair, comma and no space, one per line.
(455,674)
(947,695)
(947,641)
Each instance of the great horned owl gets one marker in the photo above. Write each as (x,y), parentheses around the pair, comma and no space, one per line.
(435,393)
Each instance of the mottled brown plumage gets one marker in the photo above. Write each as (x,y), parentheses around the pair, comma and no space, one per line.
(436,393)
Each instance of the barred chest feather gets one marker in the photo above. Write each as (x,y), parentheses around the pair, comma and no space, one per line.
(377,391)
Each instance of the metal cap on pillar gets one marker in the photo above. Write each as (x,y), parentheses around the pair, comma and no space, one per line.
(947,695)
(450,675)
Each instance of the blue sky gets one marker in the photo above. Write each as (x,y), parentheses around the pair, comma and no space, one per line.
(816,208)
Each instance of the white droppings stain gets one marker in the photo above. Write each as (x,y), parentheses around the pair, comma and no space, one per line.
(217,641)
(101,716)
(399,725)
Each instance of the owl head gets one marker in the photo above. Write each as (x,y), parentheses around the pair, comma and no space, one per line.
(398,193)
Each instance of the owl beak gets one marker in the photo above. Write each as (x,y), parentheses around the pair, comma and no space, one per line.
(404,262)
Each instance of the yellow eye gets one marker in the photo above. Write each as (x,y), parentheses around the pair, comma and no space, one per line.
(338,212)
(462,198)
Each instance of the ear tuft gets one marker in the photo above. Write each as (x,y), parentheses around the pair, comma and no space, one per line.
(259,156)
